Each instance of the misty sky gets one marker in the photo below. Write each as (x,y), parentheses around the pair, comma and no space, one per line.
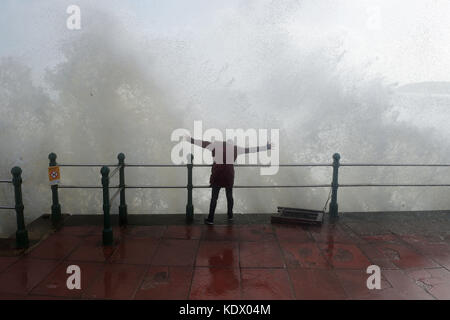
(409,41)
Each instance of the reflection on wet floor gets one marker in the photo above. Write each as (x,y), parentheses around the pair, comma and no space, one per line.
(219,285)
(241,261)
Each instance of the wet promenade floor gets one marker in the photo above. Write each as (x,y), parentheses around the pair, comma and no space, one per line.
(251,259)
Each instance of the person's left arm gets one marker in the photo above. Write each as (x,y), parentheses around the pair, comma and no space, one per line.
(199,143)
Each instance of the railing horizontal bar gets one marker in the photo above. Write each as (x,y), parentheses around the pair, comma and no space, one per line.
(207,186)
(307,165)
(155,187)
(3,207)
(79,187)
(262,165)
(294,186)
(88,165)
(393,185)
(259,186)
(84,187)
(5,181)
(154,165)
(236,165)
(391,165)
(285,165)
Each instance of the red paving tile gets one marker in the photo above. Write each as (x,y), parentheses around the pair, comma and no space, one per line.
(55,247)
(56,283)
(431,248)
(333,233)
(425,239)
(166,283)
(304,255)
(11,296)
(183,232)
(365,227)
(91,249)
(395,285)
(292,234)
(215,283)
(438,251)
(39,297)
(218,254)
(376,257)
(5,262)
(441,292)
(344,256)
(116,281)
(25,274)
(76,230)
(405,287)
(434,281)
(118,231)
(256,233)
(175,252)
(154,232)
(383,238)
(220,233)
(134,251)
(348,234)
(260,254)
(355,284)
(265,284)
(443,260)
(316,284)
(404,257)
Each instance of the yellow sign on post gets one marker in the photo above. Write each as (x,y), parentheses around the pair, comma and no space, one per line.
(53,175)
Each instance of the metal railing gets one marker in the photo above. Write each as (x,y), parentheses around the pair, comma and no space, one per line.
(121,187)
(21,233)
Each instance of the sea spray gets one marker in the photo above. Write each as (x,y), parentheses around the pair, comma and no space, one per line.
(117,88)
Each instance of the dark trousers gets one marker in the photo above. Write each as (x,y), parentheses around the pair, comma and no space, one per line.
(215,196)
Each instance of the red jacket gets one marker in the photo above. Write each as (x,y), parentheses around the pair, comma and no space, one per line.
(222,173)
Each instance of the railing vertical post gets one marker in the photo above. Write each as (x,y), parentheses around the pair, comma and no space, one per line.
(107,229)
(56,207)
(189,206)
(334,186)
(21,233)
(123,219)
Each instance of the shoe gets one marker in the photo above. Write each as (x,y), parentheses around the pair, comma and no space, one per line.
(230,218)
(209,222)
